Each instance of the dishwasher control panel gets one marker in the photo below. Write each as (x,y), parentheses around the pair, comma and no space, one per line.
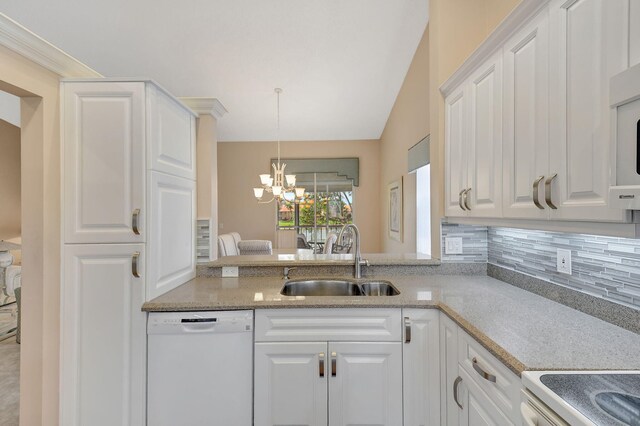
(200,322)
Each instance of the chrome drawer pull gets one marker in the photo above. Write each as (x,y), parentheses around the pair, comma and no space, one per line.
(466,199)
(134,264)
(333,364)
(321,363)
(460,199)
(536,192)
(455,390)
(135,221)
(482,373)
(547,191)
(407,330)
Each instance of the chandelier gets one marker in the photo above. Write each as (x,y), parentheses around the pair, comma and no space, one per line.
(275,185)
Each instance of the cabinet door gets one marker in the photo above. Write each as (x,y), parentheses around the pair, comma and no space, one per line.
(172,135)
(104,165)
(456,147)
(172,222)
(526,120)
(478,409)
(449,410)
(634,33)
(485,140)
(103,350)
(366,388)
(421,367)
(290,384)
(589,44)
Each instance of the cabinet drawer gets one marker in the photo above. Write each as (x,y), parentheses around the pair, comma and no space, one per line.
(304,325)
(500,384)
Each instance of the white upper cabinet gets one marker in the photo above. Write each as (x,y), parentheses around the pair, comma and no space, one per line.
(634,33)
(172,225)
(485,140)
(526,140)
(473,153)
(527,132)
(589,44)
(104,164)
(456,117)
(171,130)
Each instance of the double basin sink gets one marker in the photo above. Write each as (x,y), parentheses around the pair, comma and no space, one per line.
(338,287)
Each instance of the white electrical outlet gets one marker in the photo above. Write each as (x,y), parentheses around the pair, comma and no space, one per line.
(564,261)
(453,245)
(229,272)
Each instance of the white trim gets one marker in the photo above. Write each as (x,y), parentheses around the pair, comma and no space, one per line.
(526,10)
(22,41)
(204,106)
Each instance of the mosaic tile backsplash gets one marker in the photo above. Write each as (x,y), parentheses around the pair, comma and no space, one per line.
(474,242)
(607,267)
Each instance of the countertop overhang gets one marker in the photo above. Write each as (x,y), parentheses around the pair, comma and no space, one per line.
(288,258)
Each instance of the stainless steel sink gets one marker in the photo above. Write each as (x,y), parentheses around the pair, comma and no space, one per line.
(338,287)
(379,288)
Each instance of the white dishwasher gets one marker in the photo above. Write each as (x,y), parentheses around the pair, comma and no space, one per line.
(200,367)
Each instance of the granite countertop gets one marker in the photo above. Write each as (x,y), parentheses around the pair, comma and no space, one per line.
(523,330)
(303,258)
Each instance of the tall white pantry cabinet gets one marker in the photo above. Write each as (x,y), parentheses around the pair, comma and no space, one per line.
(129,210)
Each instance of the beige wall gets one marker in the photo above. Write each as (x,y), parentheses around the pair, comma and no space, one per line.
(240,163)
(408,123)
(40,152)
(10,221)
(207,174)
(456,29)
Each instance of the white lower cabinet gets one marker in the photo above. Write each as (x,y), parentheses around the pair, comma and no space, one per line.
(477,389)
(365,387)
(103,350)
(477,409)
(353,383)
(339,381)
(421,367)
(290,384)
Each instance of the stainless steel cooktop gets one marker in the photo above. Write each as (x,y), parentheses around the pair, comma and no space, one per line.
(605,399)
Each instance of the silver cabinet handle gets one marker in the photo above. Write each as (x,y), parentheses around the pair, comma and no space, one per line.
(407,330)
(487,376)
(455,390)
(547,191)
(321,363)
(333,364)
(536,192)
(466,199)
(135,221)
(460,199)
(134,264)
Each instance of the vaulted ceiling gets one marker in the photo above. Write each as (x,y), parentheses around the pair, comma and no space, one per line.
(340,62)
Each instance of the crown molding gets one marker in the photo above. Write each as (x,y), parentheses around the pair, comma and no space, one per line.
(22,41)
(204,106)
(522,13)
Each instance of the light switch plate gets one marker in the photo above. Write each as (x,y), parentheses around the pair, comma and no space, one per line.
(229,272)
(453,245)
(564,261)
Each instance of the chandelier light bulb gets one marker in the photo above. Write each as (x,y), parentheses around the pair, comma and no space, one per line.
(291,180)
(264,179)
(258,192)
(277,191)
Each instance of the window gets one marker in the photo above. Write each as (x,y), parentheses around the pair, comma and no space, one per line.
(326,208)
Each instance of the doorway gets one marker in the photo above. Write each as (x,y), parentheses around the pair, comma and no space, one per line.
(10,257)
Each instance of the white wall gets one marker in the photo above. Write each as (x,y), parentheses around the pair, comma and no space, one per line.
(10,108)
